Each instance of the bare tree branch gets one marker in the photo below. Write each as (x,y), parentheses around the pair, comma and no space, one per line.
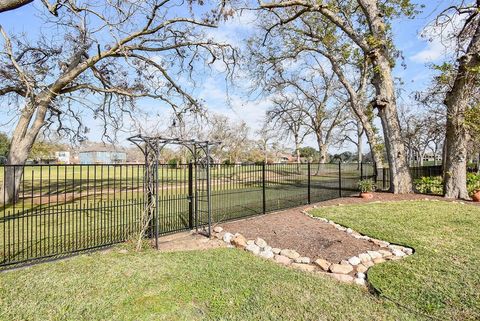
(7,5)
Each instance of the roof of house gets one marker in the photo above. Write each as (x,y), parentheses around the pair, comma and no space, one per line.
(99,147)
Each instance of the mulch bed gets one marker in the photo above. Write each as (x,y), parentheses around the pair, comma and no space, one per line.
(386,197)
(309,237)
(290,229)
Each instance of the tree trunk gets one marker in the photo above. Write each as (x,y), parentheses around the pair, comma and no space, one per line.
(297,152)
(357,107)
(372,142)
(22,141)
(409,153)
(400,178)
(14,168)
(376,155)
(421,156)
(385,102)
(323,153)
(297,147)
(455,170)
(359,145)
(11,183)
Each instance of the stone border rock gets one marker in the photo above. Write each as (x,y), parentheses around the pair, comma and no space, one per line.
(353,270)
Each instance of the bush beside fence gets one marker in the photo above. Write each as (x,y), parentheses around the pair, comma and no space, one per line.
(426,179)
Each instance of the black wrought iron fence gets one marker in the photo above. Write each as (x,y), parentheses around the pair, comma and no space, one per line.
(426,179)
(63,209)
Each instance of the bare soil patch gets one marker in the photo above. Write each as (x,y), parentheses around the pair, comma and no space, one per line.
(291,229)
(187,241)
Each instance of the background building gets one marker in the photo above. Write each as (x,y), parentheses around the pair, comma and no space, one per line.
(97,154)
(62,157)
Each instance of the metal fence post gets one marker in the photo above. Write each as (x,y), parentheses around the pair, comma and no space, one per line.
(157,218)
(264,194)
(384,177)
(209,193)
(340,179)
(190,195)
(309,183)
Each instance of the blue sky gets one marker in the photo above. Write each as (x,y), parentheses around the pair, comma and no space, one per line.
(418,54)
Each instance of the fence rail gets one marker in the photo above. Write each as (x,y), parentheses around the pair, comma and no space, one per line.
(64,209)
(426,179)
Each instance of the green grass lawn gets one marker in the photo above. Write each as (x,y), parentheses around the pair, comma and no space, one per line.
(441,279)
(217,284)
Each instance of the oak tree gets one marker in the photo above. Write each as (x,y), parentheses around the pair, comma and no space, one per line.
(366,23)
(102,57)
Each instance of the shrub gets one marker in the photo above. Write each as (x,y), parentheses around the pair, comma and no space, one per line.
(472,167)
(173,163)
(429,185)
(473,183)
(366,185)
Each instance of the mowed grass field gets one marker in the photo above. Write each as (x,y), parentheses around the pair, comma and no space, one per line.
(87,206)
(440,281)
(42,184)
(442,278)
(221,284)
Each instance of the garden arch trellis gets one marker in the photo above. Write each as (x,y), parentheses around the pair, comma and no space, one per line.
(151,146)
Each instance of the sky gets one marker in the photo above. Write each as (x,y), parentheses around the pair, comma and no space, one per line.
(418,54)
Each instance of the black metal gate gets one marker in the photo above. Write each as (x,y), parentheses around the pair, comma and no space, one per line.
(159,221)
(183,197)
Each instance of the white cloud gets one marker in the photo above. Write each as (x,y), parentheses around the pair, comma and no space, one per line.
(434,50)
(441,41)
(234,30)
(234,105)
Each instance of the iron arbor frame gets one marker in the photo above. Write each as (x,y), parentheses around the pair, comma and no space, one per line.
(151,146)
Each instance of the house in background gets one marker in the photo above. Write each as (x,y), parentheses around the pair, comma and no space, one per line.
(284,158)
(427,159)
(102,154)
(62,157)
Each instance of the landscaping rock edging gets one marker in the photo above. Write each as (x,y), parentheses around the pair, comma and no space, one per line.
(353,270)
